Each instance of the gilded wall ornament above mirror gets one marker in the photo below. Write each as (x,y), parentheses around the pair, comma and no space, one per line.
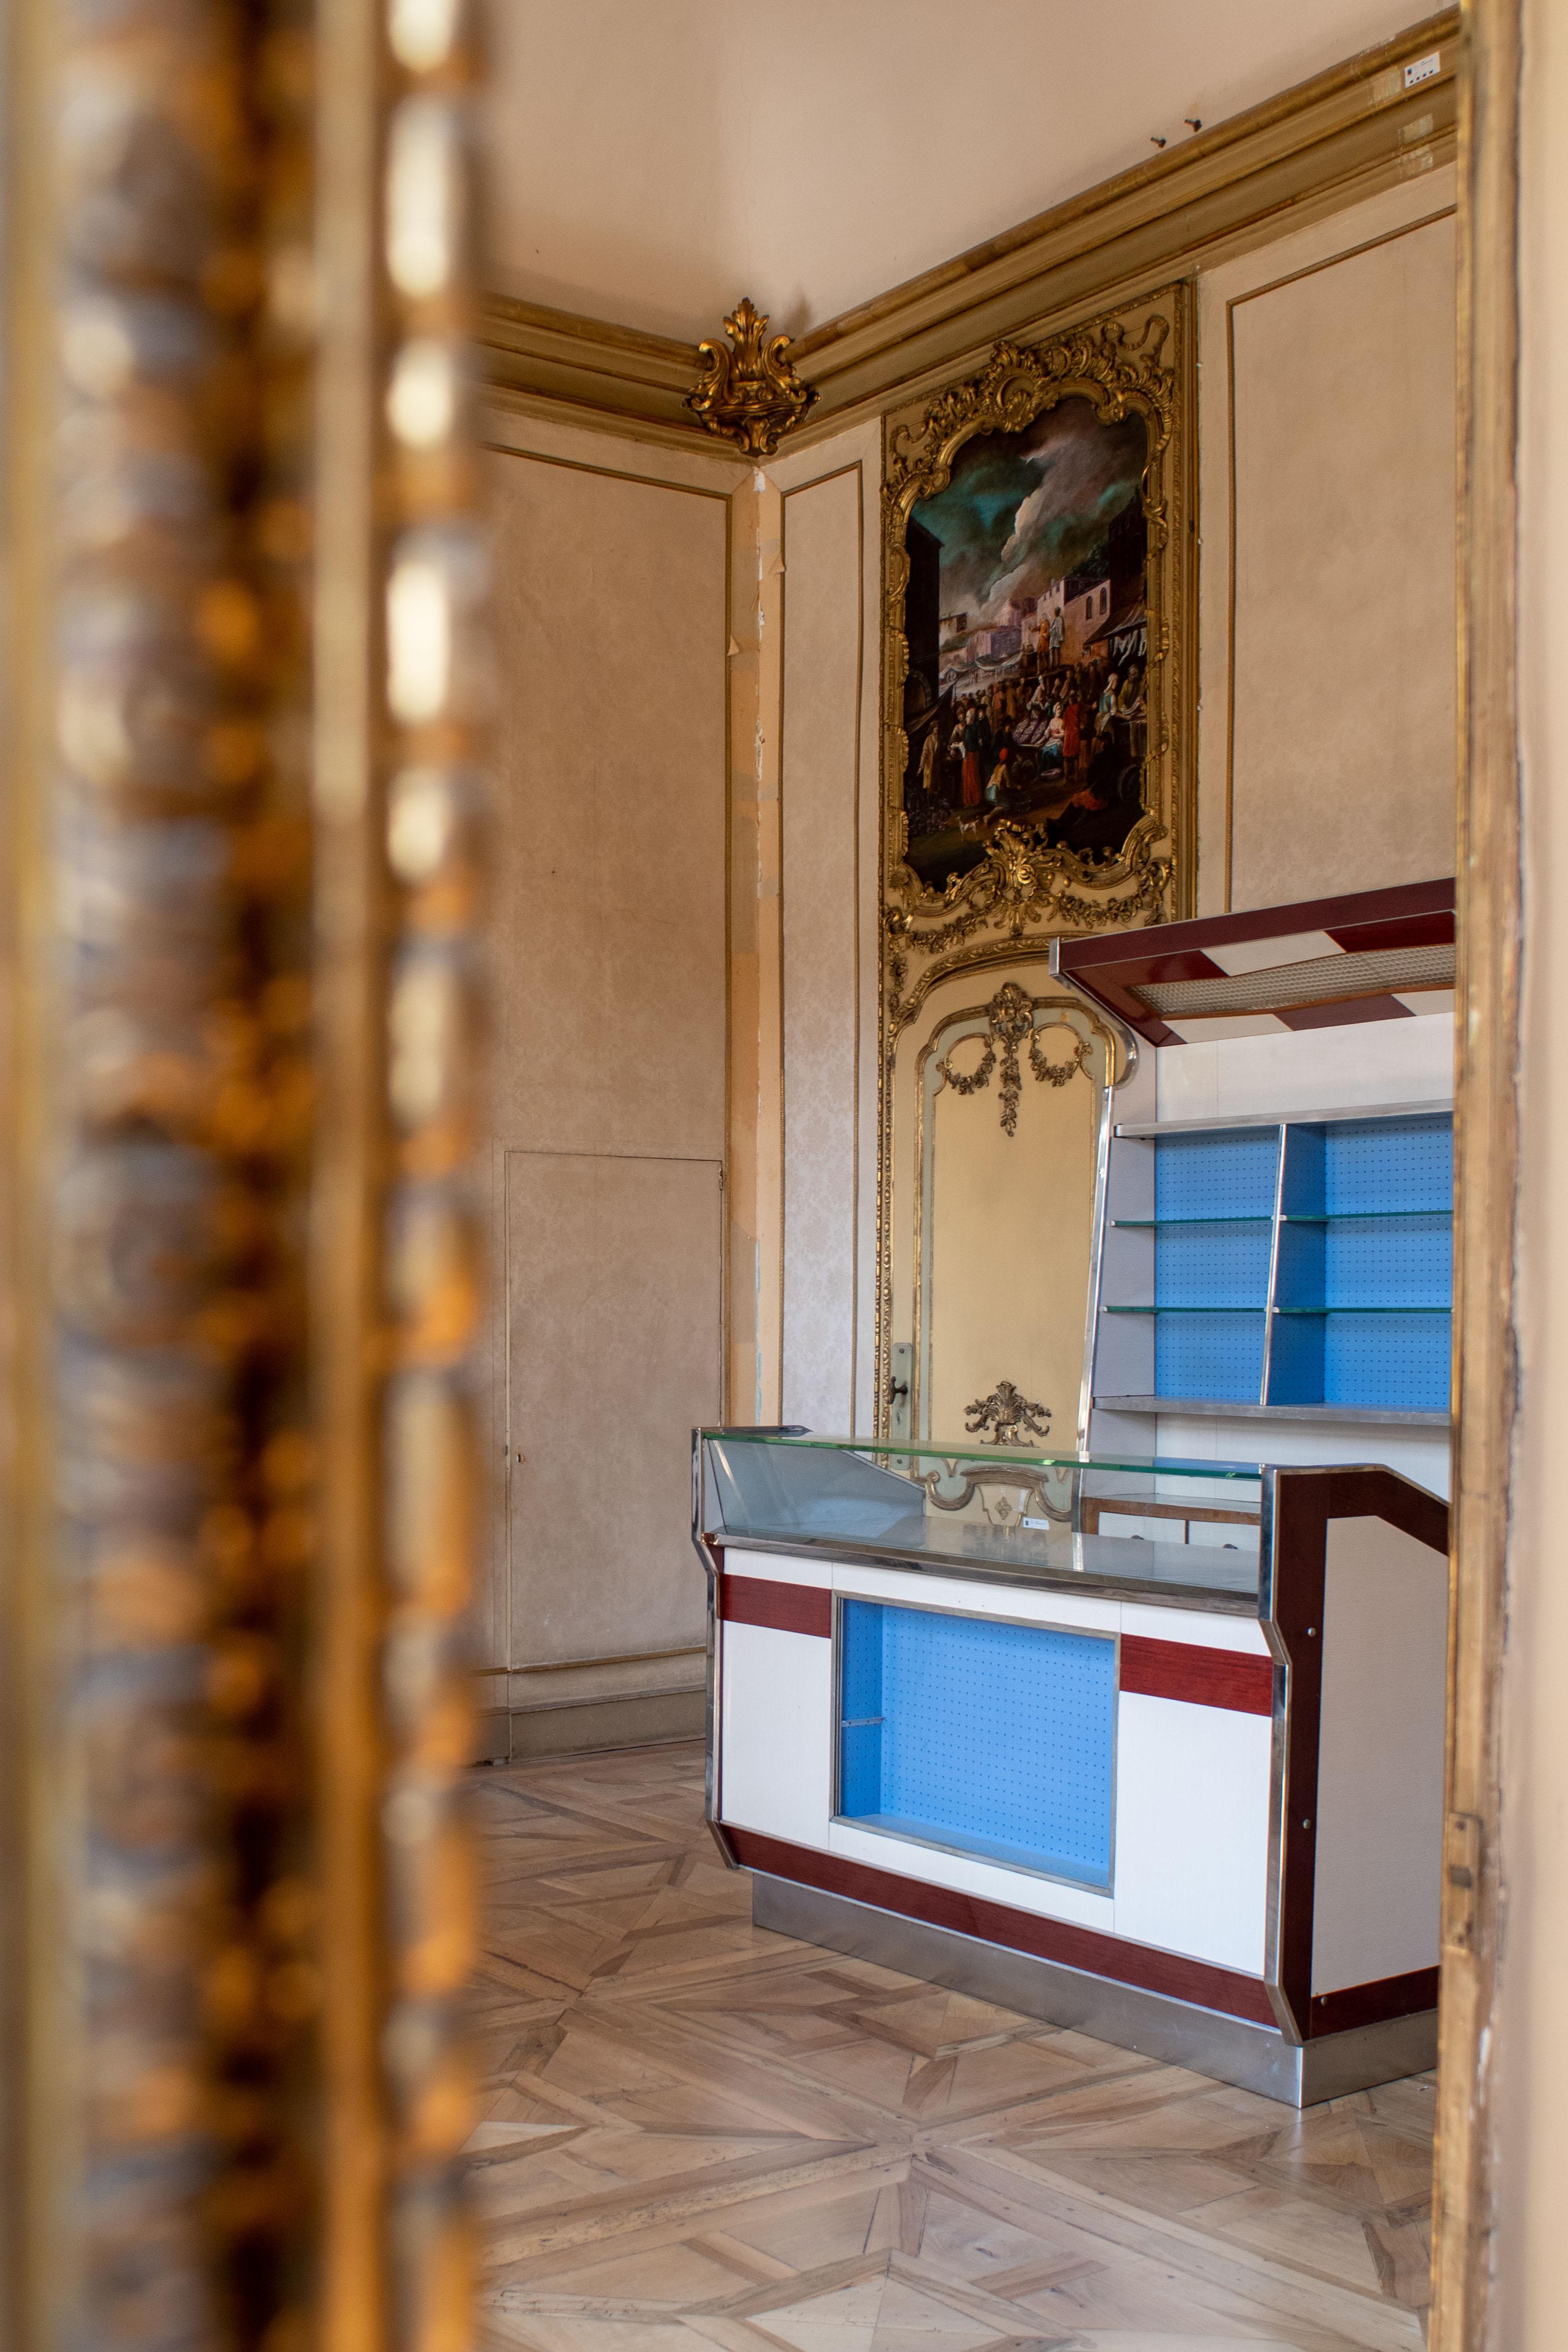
(1010,1017)
(748,392)
(1037,649)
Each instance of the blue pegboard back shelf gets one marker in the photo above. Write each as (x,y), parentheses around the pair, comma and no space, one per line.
(1344,1252)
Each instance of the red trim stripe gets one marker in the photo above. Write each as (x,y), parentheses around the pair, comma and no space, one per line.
(1374,2004)
(1409,931)
(785,1608)
(1228,1679)
(1156,1669)
(1407,902)
(1171,1973)
(1340,1010)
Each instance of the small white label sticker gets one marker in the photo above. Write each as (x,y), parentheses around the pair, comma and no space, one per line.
(1423,69)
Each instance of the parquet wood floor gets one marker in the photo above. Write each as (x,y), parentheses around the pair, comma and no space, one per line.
(698,2133)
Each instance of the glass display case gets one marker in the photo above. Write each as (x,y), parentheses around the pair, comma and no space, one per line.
(1123,1741)
(1188,1531)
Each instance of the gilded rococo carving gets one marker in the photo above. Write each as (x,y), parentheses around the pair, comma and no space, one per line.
(1008,1417)
(748,392)
(1015,883)
(1010,1019)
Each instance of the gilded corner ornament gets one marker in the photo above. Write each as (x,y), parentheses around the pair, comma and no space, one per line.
(748,392)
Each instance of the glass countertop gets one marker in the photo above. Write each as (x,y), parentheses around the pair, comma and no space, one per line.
(1174,1529)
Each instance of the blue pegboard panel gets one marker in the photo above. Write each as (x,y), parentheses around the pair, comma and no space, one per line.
(860,1708)
(1296,1360)
(1213,1266)
(1214,1356)
(1406,1261)
(1386,1360)
(1375,1240)
(1229,1173)
(994,1739)
(1301,1191)
(1299,1280)
(1388,1163)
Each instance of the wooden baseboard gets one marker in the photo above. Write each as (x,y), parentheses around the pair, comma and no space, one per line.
(579,1726)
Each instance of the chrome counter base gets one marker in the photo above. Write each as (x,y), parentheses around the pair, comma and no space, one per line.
(1251,2056)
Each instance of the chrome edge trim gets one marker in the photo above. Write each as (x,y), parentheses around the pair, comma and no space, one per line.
(1165,2031)
(712,1556)
(1279,1747)
(1328,1117)
(1068,1582)
(1269,1308)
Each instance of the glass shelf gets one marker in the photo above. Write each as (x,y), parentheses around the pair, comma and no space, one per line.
(1342,1308)
(1258,1309)
(1240,1217)
(1345,1308)
(1355,1216)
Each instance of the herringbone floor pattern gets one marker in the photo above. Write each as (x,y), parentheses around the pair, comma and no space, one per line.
(699,2134)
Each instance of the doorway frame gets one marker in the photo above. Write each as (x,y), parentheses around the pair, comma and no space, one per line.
(1486,1354)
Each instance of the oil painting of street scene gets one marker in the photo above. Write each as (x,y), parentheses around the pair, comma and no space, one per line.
(1027,625)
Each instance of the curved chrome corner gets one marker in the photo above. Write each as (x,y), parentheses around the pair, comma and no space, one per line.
(711,1555)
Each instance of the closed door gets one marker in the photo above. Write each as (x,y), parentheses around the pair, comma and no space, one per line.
(614,1354)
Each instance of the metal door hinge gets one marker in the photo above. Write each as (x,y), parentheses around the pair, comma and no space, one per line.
(1461,1881)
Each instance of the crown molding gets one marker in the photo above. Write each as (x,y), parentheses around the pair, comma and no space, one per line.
(587,371)
(1327,142)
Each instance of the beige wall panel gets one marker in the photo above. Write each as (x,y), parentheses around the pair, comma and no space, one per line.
(613,1306)
(610,758)
(1342,772)
(609,940)
(822,633)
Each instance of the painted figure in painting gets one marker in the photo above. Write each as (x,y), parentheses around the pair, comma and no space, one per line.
(1027,626)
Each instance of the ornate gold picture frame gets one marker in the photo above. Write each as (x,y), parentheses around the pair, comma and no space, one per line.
(978,856)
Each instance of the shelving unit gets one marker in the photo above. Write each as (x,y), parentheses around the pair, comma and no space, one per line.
(1296,1263)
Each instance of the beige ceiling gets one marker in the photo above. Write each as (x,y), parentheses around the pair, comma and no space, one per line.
(654,159)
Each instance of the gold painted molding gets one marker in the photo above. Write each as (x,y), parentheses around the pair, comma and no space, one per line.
(1327,142)
(550,363)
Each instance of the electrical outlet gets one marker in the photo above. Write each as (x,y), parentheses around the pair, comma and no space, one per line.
(1425,68)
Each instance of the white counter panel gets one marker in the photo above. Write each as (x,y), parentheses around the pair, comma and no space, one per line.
(1243,1636)
(1020,1602)
(778,1733)
(1191,1828)
(777,1568)
(968,1873)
